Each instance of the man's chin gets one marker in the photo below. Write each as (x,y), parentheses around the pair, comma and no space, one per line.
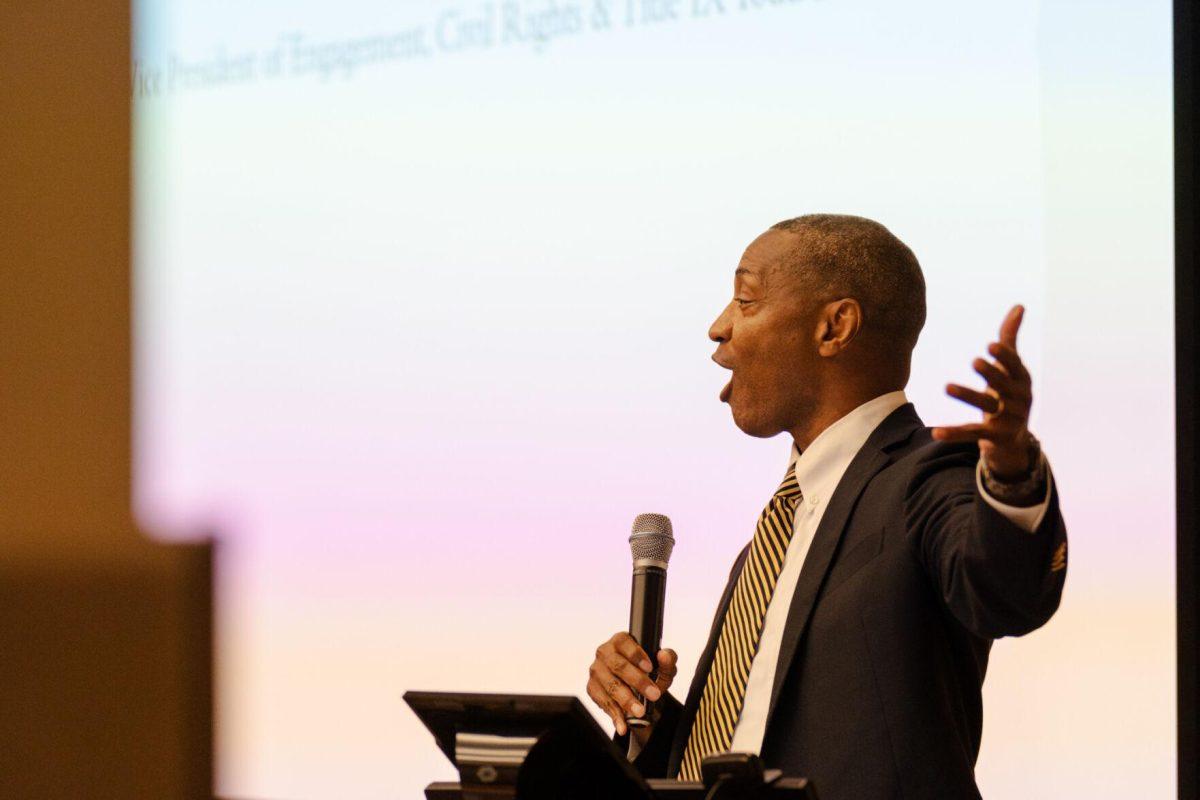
(752,426)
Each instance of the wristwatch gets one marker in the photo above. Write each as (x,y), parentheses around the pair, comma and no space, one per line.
(1026,491)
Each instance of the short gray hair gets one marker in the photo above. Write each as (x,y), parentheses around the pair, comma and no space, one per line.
(848,256)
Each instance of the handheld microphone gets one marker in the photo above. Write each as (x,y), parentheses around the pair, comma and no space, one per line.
(651,543)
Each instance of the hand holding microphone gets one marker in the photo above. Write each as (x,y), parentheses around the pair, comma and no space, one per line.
(622,678)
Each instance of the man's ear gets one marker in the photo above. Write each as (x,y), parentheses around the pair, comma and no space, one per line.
(838,322)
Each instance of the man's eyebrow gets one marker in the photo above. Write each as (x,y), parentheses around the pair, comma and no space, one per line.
(743,271)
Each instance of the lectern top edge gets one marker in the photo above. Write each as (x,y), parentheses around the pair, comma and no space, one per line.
(442,712)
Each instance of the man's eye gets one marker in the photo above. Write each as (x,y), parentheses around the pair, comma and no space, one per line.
(742,301)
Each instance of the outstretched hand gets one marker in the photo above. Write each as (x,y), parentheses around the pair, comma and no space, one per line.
(1003,436)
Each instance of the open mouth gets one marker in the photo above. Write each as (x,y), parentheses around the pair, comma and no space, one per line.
(726,391)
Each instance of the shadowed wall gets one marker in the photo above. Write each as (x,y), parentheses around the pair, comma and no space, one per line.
(105,678)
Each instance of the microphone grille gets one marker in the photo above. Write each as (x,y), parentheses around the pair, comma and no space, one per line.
(652,538)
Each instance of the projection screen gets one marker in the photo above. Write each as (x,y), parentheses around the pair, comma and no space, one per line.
(422,296)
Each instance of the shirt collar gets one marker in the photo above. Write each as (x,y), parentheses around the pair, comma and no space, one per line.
(820,467)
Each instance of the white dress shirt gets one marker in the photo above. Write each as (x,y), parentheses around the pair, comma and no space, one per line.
(819,469)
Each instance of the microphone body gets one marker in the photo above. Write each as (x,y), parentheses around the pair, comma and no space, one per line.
(651,544)
(646,605)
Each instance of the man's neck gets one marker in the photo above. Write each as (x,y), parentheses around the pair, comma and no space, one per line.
(837,405)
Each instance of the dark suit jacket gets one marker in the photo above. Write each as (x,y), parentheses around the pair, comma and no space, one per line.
(909,578)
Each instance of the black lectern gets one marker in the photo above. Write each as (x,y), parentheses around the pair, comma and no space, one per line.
(535,747)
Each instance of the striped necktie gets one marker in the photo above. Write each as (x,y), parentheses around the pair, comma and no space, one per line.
(725,687)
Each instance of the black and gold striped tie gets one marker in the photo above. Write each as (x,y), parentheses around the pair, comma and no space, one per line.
(725,688)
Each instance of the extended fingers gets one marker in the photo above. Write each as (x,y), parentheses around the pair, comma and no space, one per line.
(1007,399)
(995,376)
(988,403)
(1000,428)
(961,433)
(1009,359)
(1012,324)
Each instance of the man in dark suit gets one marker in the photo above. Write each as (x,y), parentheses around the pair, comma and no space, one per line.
(851,641)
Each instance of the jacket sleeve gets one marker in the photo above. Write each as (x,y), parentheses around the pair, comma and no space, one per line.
(996,578)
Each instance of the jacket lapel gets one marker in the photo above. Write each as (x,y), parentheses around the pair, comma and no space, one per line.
(897,427)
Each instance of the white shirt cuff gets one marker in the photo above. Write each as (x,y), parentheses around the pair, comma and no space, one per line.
(1027,518)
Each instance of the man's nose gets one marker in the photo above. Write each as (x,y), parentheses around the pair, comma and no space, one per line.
(720,329)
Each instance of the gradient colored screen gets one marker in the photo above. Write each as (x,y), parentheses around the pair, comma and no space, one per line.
(423,291)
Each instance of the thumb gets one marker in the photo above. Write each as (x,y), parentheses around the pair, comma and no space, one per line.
(667,667)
